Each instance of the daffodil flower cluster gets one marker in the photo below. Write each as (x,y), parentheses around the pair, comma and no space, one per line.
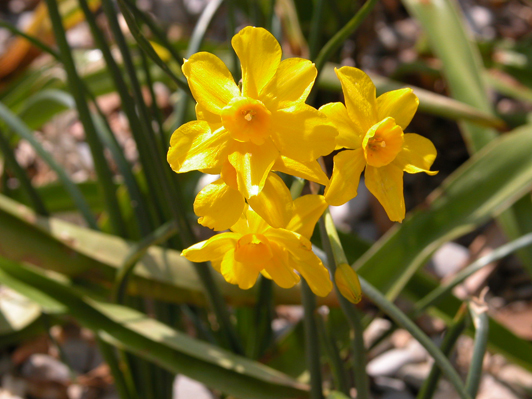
(245,133)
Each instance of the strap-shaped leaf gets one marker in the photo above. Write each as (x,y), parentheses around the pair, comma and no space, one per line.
(150,339)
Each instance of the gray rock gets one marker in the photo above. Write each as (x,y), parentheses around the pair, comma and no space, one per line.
(186,388)
(45,368)
(449,259)
(397,395)
(389,384)
(16,387)
(5,394)
(389,363)
(445,391)
(490,388)
(81,355)
(414,374)
(375,330)
(516,376)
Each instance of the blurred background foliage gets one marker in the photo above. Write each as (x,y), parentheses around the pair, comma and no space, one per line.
(92,219)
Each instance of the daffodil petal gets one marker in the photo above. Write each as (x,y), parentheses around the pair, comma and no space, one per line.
(302,133)
(360,96)
(213,248)
(278,268)
(210,81)
(274,203)
(194,146)
(399,104)
(259,53)
(214,120)
(255,223)
(290,85)
(348,165)
(307,211)
(306,170)
(242,226)
(417,155)
(252,163)
(303,259)
(218,206)
(266,274)
(350,135)
(238,273)
(315,274)
(386,184)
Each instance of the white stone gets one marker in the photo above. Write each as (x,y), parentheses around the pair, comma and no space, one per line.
(449,259)
(187,388)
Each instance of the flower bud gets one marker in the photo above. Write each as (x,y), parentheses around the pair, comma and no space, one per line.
(347,282)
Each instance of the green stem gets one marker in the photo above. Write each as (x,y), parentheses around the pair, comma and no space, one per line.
(312,343)
(231,28)
(138,129)
(336,256)
(481,321)
(23,131)
(453,333)
(122,378)
(263,316)
(105,176)
(145,45)
(297,187)
(138,204)
(11,161)
(337,40)
(159,34)
(338,370)
(315,29)
(201,26)
(36,42)
(156,112)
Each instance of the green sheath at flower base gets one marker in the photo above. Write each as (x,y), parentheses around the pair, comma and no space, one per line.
(347,282)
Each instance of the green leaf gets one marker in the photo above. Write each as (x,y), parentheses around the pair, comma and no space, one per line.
(42,106)
(336,395)
(79,252)
(150,339)
(17,314)
(462,66)
(56,198)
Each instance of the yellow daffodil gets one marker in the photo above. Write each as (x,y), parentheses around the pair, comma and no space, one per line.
(371,132)
(254,247)
(262,127)
(219,205)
